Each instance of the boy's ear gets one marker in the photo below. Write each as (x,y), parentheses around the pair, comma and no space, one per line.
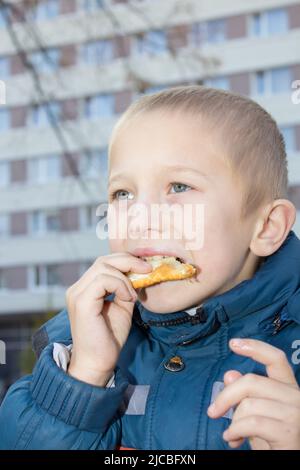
(272,227)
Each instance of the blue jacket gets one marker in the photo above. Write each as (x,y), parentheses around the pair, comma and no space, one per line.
(158,403)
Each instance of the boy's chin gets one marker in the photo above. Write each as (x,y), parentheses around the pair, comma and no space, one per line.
(166,297)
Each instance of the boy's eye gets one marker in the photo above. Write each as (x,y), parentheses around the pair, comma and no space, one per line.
(180,187)
(121,194)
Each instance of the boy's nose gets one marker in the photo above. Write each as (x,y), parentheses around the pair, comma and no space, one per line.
(146,217)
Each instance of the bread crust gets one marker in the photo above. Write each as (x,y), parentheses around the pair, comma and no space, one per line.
(165,272)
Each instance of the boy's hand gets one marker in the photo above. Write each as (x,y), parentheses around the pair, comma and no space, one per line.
(100,328)
(267,408)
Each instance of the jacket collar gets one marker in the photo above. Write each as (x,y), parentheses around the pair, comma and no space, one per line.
(274,285)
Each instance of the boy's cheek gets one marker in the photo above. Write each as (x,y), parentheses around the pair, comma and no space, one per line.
(116,242)
(116,246)
(214,264)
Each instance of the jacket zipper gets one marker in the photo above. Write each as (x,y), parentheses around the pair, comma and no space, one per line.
(277,323)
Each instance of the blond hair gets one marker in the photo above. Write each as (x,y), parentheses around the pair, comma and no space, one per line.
(252,142)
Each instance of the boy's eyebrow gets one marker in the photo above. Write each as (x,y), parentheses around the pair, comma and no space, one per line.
(185,169)
(179,168)
(117,177)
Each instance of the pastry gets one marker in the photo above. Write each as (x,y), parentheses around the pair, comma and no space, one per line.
(165,268)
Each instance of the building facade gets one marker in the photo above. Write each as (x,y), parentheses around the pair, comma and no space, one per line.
(69,68)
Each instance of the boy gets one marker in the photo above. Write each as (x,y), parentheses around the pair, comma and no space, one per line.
(208,362)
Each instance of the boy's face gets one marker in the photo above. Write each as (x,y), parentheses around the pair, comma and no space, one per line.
(151,157)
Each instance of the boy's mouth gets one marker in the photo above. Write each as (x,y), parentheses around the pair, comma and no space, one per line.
(147,252)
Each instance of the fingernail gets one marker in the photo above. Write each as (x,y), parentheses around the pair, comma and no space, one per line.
(240,343)
(212,409)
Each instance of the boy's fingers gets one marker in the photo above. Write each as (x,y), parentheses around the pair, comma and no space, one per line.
(123,262)
(236,444)
(108,269)
(92,298)
(256,386)
(269,429)
(231,376)
(267,408)
(274,359)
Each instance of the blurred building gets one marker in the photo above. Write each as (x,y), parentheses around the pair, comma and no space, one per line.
(70,68)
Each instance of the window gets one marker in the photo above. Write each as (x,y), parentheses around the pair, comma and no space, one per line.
(197,34)
(277,21)
(215,31)
(92,5)
(3,16)
(256,24)
(52,220)
(99,106)
(45,169)
(52,168)
(289,138)
(4,120)
(88,217)
(153,42)
(281,80)
(45,9)
(208,32)
(93,164)
(42,222)
(4,174)
(221,83)
(38,116)
(44,276)
(97,52)
(148,91)
(36,223)
(45,62)
(36,277)
(274,81)
(53,277)
(3,282)
(4,225)
(269,22)
(261,83)
(154,89)
(4,67)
